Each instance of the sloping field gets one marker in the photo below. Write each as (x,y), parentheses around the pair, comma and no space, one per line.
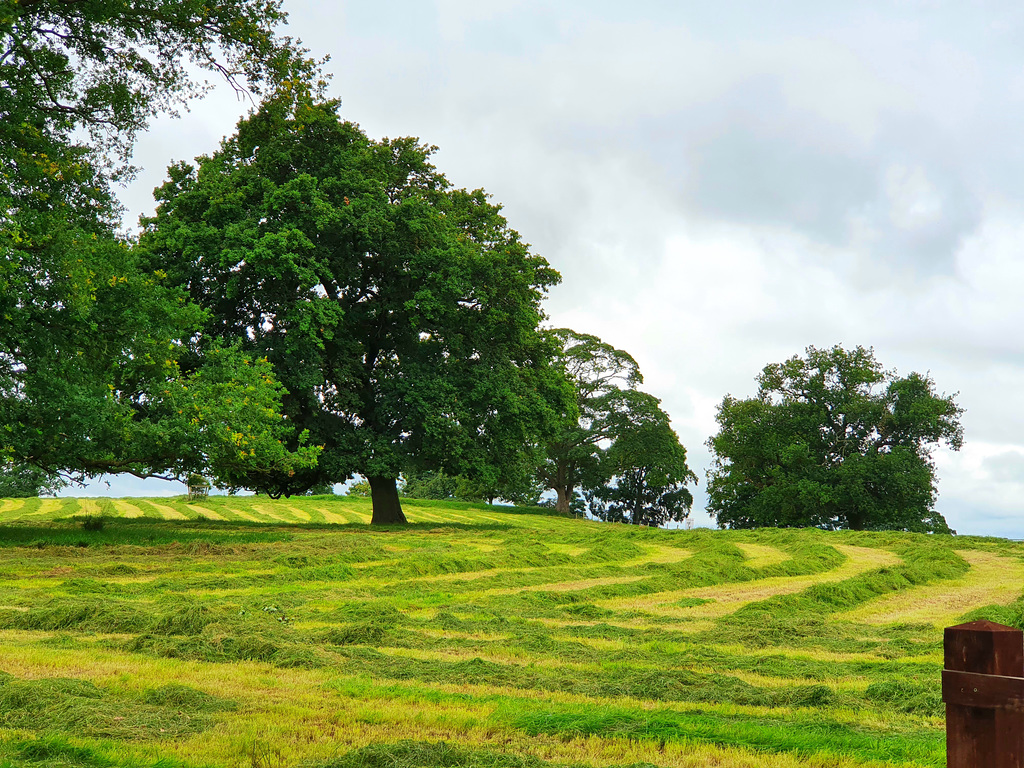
(241,631)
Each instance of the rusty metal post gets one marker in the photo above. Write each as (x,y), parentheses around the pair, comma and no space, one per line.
(983,687)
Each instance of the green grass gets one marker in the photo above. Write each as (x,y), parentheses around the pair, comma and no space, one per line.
(248,632)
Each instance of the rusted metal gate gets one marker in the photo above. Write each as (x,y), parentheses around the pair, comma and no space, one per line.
(983,687)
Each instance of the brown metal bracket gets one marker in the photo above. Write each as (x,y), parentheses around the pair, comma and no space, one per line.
(970,689)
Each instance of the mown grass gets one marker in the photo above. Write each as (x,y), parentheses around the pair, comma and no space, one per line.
(245,632)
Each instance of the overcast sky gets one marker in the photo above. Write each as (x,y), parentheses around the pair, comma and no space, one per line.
(722,184)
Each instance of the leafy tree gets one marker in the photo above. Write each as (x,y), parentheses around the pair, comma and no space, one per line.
(835,441)
(96,374)
(323,489)
(106,67)
(520,489)
(20,481)
(429,485)
(400,313)
(644,470)
(360,489)
(600,376)
(616,447)
(518,482)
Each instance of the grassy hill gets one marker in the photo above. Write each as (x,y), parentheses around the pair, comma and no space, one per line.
(246,632)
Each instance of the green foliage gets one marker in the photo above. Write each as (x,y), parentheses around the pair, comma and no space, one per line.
(426,484)
(832,440)
(617,446)
(95,372)
(597,373)
(359,489)
(644,470)
(107,68)
(430,485)
(21,481)
(321,489)
(399,313)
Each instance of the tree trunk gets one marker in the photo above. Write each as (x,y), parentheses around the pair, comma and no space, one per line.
(387,509)
(563,494)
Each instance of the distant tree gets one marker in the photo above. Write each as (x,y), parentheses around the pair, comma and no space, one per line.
(616,442)
(20,481)
(520,489)
(400,314)
(601,377)
(832,440)
(359,489)
(644,471)
(323,489)
(429,485)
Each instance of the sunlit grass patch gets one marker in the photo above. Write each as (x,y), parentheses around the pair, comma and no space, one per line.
(761,556)
(560,586)
(566,549)
(658,554)
(609,753)
(206,512)
(300,515)
(79,707)
(38,508)
(90,507)
(992,579)
(126,509)
(727,598)
(9,506)
(156,511)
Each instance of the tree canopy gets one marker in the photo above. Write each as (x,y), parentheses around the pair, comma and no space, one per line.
(97,372)
(107,67)
(835,441)
(598,373)
(643,473)
(400,313)
(616,446)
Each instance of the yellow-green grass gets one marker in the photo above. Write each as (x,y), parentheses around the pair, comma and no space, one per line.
(992,580)
(507,635)
(760,556)
(728,599)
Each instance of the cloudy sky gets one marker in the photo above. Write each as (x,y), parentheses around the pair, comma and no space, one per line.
(723,184)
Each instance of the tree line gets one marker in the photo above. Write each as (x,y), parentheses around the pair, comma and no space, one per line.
(308,303)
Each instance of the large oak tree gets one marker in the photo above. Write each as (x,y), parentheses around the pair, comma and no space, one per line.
(401,314)
(832,440)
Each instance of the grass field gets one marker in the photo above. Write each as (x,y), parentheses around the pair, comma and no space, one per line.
(241,631)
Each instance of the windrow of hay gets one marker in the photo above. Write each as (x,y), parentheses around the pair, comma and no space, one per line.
(724,599)
(992,580)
